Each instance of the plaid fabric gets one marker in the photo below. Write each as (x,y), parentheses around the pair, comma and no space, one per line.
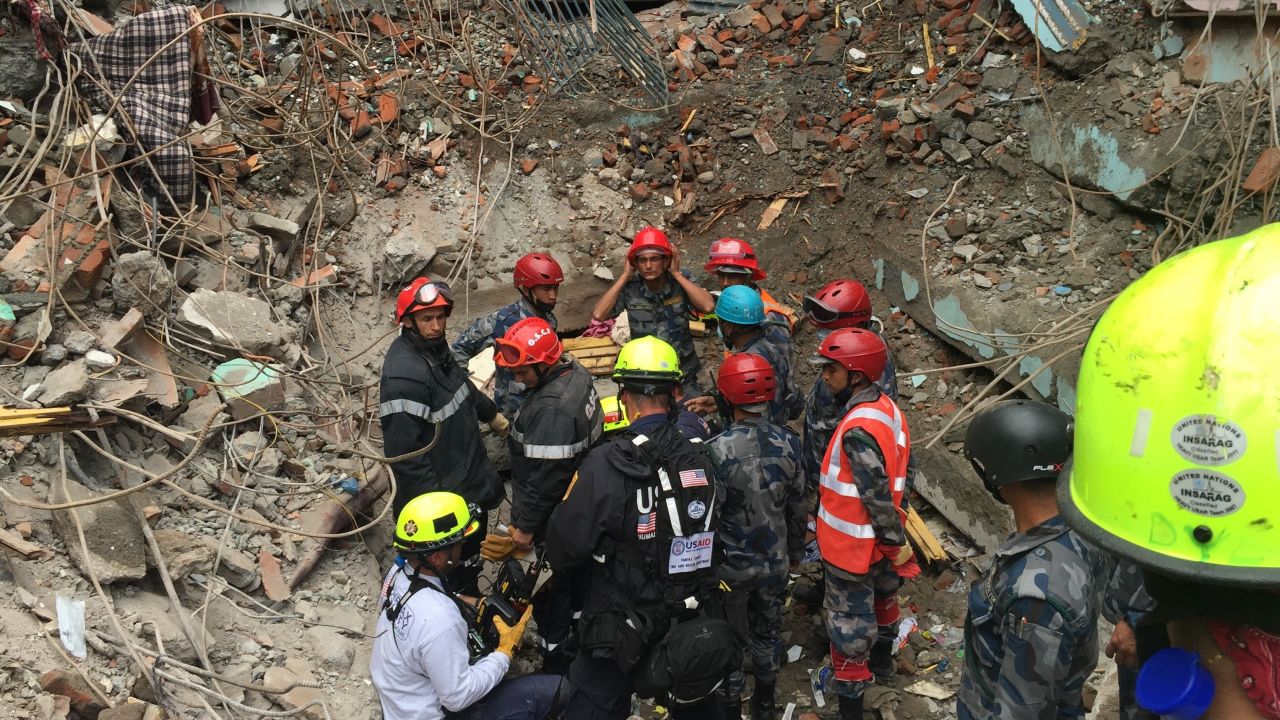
(157,102)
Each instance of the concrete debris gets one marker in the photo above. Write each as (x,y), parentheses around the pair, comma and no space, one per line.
(116,547)
(236,321)
(248,387)
(67,384)
(407,254)
(277,228)
(141,280)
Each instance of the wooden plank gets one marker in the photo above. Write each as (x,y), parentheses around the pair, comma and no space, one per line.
(577,343)
(14,541)
(923,538)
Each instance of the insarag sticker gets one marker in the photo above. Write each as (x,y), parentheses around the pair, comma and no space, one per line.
(1205,492)
(689,553)
(1206,440)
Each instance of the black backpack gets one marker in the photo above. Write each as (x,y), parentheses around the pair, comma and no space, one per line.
(685,516)
(690,663)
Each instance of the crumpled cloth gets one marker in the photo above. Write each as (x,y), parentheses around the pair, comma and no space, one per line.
(155,106)
(598,329)
(1256,655)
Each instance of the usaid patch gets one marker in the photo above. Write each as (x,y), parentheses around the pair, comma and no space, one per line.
(689,553)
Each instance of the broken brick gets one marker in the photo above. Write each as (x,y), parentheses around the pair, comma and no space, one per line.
(685,43)
(761,23)
(384,26)
(322,276)
(889,127)
(388,109)
(406,48)
(361,125)
(728,62)
(528,165)
(639,191)
(780,60)
(774,16)
(965,110)
(969,77)
(725,35)
(711,43)
(1265,171)
(798,24)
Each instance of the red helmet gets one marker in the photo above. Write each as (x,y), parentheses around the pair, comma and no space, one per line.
(530,341)
(537,269)
(856,350)
(746,379)
(423,293)
(734,255)
(839,304)
(649,239)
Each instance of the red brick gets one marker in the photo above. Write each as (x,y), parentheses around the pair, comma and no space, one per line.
(528,165)
(384,26)
(812,10)
(850,116)
(889,127)
(728,62)
(945,21)
(326,274)
(388,109)
(725,35)
(406,48)
(1265,171)
(710,43)
(781,60)
(361,125)
(67,684)
(639,191)
(847,144)
(969,78)
(799,23)
(869,37)
(950,4)
(685,43)
(761,23)
(965,110)
(862,120)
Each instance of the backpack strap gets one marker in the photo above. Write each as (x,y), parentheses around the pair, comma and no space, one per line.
(655,464)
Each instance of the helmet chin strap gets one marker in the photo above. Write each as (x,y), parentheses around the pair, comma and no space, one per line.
(537,304)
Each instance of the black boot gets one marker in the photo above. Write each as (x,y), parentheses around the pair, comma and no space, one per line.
(850,708)
(881,661)
(731,707)
(763,705)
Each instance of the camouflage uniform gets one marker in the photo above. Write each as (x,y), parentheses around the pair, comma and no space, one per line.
(761,532)
(852,602)
(507,393)
(1031,635)
(787,403)
(821,415)
(664,314)
(1126,598)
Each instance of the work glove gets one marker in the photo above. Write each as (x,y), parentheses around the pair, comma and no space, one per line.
(500,425)
(509,636)
(499,547)
(903,559)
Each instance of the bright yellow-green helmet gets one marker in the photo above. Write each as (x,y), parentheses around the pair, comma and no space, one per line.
(1178,418)
(647,365)
(433,521)
(615,416)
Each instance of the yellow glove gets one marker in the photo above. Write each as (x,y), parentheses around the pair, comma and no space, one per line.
(508,636)
(499,547)
(496,547)
(500,425)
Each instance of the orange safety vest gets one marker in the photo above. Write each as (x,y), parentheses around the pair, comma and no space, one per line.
(846,537)
(773,306)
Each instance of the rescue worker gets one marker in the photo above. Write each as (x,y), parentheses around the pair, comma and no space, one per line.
(741,327)
(733,262)
(555,427)
(1175,469)
(427,401)
(420,665)
(1031,633)
(859,524)
(596,529)
(537,277)
(660,299)
(1127,605)
(761,523)
(691,425)
(839,304)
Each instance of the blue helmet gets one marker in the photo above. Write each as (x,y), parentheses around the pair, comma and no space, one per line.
(740,305)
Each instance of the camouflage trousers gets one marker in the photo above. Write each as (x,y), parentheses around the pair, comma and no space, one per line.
(755,614)
(855,606)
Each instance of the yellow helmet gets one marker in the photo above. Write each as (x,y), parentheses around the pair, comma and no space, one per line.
(615,416)
(1178,420)
(647,365)
(433,521)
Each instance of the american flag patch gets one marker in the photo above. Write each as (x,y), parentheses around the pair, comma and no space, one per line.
(647,523)
(693,478)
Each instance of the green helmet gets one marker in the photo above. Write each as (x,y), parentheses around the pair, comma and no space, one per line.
(433,521)
(1178,419)
(647,365)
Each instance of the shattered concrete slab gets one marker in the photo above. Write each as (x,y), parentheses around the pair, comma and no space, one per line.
(117,549)
(236,321)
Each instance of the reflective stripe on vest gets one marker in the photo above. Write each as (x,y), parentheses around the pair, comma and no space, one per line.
(846,537)
(773,306)
(424,411)
(554,452)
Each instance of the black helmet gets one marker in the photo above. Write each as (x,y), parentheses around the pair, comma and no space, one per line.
(1018,440)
